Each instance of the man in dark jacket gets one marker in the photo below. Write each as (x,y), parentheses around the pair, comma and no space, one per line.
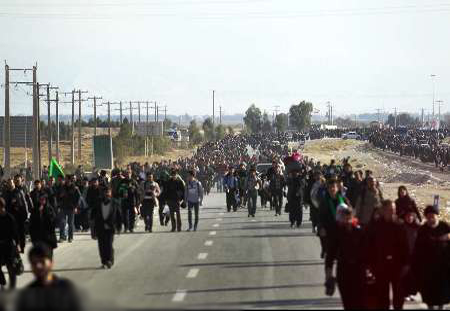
(9,240)
(47,291)
(70,197)
(106,219)
(175,188)
(129,203)
(295,196)
(387,255)
(18,204)
(42,223)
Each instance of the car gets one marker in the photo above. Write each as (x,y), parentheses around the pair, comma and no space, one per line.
(351,135)
(262,168)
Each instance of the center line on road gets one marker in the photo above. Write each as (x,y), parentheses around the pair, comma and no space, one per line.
(202,256)
(213,233)
(209,243)
(192,273)
(215,225)
(179,295)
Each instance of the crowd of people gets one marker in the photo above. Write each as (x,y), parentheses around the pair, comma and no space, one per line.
(426,145)
(376,243)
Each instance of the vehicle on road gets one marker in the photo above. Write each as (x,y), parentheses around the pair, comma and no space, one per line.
(262,168)
(351,135)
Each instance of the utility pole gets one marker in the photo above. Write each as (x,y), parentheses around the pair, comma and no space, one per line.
(72,148)
(72,144)
(95,112)
(423,118)
(7,123)
(57,126)
(439,102)
(36,153)
(433,76)
(220,115)
(79,122)
(378,113)
(213,114)
(7,133)
(395,119)
(49,122)
(121,115)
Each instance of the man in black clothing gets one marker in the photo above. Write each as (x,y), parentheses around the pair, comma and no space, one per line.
(37,192)
(105,216)
(70,198)
(295,196)
(9,240)
(47,292)
(18,205)
(387,254)
(174,196)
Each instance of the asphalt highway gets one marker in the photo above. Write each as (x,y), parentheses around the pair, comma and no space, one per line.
(231,262)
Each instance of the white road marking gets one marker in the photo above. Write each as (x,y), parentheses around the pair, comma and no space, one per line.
(209,243)
(179,295)
(253,220)
(192,274)
(213,233)
(221,214)
(202,256)
(215,225)
(219,219)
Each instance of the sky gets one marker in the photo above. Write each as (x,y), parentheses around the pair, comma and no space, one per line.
(358,55)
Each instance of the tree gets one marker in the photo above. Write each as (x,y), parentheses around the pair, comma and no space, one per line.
(230,130)
(194,133)
(281,122)
(207,127)
(167,124)
(404,119)
(266,124)
(252,119)
(300,115)
(220,131)
(344,122)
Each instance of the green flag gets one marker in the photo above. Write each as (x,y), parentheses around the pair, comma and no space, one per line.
(55,169)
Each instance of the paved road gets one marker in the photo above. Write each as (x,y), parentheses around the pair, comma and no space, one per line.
(232,261)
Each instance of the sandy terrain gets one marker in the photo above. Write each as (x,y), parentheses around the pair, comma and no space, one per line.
(422,180)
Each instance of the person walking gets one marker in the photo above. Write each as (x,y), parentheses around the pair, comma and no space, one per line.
(405,203)
(347,248)
(430,260)
(106,220)
(295,197)
(150,202)
(42,224)
(70,198)
(9,245)
(18,206)
(327,214)
(277,184)
(194,198)
(175,188)
(368,201)
(252,185)
(230,183)
(47,291)
(387,256)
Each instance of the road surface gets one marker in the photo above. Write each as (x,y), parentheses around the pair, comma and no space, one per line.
(232,261)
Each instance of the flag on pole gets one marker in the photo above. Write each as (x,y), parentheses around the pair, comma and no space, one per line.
(55,169)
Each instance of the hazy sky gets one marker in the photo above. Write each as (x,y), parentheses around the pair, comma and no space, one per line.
(360,55)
